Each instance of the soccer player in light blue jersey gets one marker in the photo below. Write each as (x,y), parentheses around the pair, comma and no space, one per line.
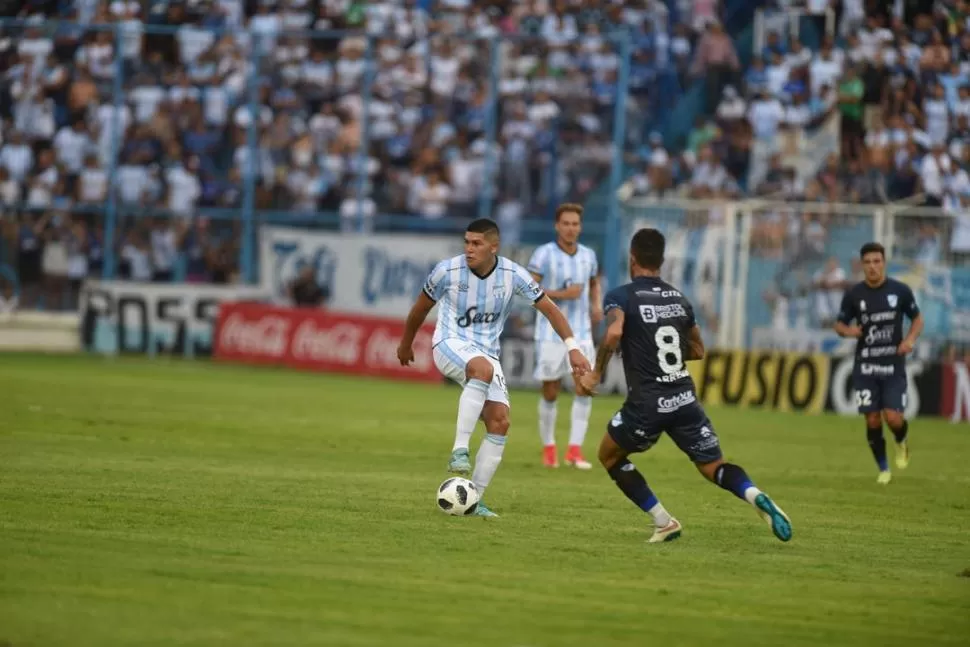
(569,274)
(474,296)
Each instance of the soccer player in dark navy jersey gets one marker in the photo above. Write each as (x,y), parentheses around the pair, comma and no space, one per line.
(878,305)
(653,325)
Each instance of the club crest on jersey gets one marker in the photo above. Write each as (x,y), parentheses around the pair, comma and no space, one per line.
(893,300)
(463,287)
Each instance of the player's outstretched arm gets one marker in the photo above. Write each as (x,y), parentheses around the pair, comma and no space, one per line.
(419,312)
(561,325)
(611,341)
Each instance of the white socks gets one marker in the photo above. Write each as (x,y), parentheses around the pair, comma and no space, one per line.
(470,406)
(582,407)
(661,518)
(487,461)
(751,493)
(547,422)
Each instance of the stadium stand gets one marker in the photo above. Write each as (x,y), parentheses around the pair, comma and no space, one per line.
(379,119)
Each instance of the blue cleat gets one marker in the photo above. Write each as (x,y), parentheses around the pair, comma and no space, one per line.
(774,516)
(459,463)
(482,511)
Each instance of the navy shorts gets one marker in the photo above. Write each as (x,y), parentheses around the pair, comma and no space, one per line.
(877,393)
(637,429)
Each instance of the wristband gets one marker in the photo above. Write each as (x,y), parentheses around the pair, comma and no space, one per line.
(571,344)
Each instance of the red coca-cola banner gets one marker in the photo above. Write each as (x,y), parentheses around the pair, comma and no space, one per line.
(253,333)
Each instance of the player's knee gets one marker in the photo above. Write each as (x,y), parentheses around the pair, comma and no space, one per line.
(708,470)
(479,368)
(893,418)
(873,420)
(550,391)
(498,424)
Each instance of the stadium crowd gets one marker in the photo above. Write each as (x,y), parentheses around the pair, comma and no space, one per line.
(898,84)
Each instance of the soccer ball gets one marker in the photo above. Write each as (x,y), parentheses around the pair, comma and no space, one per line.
(457,496)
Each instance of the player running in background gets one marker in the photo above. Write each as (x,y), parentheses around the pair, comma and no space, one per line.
(878,305)
(653,325)
(474,292)
(569,274)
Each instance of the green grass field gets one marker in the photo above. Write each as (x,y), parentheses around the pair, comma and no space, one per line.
(170,503)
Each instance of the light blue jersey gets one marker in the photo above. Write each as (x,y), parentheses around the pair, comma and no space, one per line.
(474,308)
(558,270)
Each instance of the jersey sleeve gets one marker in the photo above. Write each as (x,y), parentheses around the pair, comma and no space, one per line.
(594,266)
(437,283)
(615,298)
(847,311)
(525,286)
(538,262)
(909,306)
(691,320)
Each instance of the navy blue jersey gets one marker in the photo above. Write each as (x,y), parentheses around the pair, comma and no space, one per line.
(655,331)
(879,312)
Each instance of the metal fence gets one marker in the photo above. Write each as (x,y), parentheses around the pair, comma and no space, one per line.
(771,275)
(206,134)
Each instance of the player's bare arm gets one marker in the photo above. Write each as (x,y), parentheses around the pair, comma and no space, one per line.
(419,312)
(695,344)
(611,341)
(845,330)
(560,324)
(572,292)
(915,330)
(596,300)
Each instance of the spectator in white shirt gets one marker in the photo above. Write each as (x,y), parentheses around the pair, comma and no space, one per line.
(17,156)
(73,144)
(432,199)
(164,250)
(765,115)
(184,187)
(92,184)
(357,213)
(732,107)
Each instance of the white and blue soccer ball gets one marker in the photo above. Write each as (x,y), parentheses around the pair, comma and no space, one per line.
(458,496)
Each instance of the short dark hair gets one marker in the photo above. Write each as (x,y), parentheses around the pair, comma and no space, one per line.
(647,248)
(483,226)
(870,248)
(569,207)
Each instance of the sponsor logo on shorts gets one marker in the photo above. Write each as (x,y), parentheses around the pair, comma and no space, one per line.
(877,369)
(708,440)
(675,402)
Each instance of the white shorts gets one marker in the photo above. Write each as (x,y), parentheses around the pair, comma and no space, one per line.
(552,359)
(451,356)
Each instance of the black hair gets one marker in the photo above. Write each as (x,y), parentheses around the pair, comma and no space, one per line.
(647,248)
(483,226)
(872,248)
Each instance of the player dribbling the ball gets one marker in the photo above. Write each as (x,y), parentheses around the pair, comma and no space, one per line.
(474,294)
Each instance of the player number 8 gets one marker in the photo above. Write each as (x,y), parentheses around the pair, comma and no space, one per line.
(668,344)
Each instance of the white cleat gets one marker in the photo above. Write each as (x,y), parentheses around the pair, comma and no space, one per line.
(884,477)
(669,532)
(580,464)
